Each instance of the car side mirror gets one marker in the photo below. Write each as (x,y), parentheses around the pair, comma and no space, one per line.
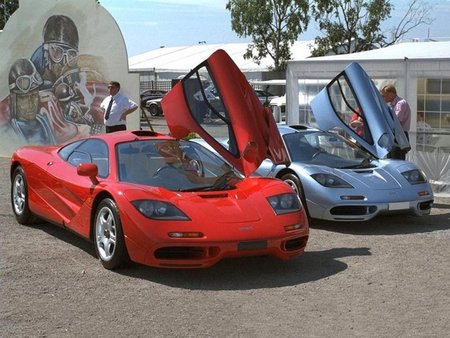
(89,170)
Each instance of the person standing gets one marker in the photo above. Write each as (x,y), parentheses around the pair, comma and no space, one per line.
(401,108)
(116,107)
(423,130)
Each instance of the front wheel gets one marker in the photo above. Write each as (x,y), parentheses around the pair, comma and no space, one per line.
(154,110)
(296,185)
(109,240)
(19,197)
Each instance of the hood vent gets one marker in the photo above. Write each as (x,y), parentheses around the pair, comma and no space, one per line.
(363,171)
(221,195)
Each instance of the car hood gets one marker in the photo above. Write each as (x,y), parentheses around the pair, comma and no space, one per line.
(383,175)
(238,205)
(353,92)
(234,110)
(371,179)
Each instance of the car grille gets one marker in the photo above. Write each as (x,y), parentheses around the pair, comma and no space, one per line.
(186,252)
(425,205)
(295,244)
(353,210)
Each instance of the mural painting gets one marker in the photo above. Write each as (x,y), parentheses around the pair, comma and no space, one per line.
(54,92)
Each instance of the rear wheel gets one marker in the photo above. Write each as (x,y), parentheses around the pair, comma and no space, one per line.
(19,198)
(109,240)
(295,184)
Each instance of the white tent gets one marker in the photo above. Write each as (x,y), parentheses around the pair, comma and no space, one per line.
(421,73)
(180,60)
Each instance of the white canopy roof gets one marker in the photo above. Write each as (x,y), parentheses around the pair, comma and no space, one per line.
(410,50)
(185,58)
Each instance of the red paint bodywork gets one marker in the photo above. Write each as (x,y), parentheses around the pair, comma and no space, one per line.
(234,222)
(57,193)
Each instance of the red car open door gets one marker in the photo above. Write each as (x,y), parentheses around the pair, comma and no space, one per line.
(216,99)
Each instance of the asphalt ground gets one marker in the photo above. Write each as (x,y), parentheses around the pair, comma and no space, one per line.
(384,278)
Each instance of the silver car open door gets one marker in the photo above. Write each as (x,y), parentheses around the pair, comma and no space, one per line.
(352,104)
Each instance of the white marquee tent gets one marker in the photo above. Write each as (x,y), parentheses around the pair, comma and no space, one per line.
(170,62)
(421,73)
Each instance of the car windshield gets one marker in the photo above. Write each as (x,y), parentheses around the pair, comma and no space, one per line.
(328,149)
(174,165)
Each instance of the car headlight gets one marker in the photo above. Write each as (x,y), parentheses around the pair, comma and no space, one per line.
(285,203)
(159,210)
(331,181)
(414,176)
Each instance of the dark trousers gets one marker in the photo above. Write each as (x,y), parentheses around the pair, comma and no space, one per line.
(112,129)
(398,153)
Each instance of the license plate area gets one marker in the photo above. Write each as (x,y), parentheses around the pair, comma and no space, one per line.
(252,245)
(399,206)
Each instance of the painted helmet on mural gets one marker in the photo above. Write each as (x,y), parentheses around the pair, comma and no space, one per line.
(24,81)
(61,29)
(23,77)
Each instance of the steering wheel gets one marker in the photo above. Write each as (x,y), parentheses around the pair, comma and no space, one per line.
(318,152)
(198,166)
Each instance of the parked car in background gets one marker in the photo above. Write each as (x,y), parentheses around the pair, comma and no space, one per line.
(151,94)
(264,96)
(154,107)
(150,101)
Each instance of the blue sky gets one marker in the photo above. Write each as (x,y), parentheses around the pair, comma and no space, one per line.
(149,24)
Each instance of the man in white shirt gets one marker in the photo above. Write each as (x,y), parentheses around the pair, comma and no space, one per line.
(117,107)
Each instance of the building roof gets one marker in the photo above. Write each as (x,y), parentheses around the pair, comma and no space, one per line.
(185,58)
(411,50)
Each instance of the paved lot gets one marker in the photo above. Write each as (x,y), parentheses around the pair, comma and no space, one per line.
(384,278)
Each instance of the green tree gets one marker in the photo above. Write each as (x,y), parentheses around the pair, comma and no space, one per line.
(417,13)
(349,25)
(273,25)
(7,8)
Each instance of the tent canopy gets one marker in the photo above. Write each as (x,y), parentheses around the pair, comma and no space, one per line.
(184,58)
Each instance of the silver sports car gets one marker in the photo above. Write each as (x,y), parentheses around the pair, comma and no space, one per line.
(338,180)
(343,171)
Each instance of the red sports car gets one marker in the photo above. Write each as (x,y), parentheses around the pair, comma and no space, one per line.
(162,201)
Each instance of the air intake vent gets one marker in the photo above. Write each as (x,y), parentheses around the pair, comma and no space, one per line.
(145,133)
(222,195)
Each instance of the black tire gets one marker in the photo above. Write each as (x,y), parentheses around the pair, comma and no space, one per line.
(295,183)
(109,241)
(154,110)
(19,198)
